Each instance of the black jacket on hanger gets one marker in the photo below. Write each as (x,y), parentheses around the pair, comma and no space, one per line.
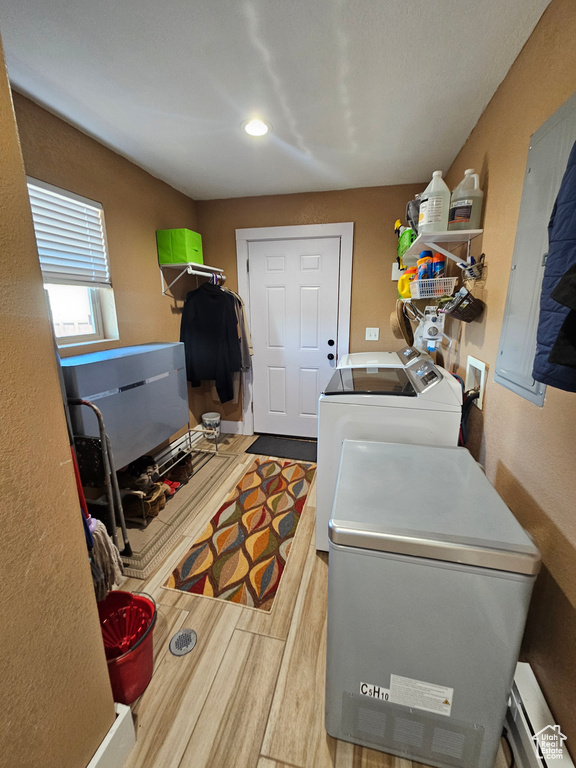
(210,335)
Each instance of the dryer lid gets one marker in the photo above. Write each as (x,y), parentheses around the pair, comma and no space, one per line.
(370,381)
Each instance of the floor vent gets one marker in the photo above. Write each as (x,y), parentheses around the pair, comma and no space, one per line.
(183,642)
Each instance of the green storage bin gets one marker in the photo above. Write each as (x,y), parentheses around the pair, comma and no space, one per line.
(179,246)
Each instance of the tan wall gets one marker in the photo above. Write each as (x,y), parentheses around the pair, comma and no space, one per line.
(529,452)
(135,205)
(373,211)
(55,696)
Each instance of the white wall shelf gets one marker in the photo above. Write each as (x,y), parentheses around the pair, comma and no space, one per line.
(432,241)
(190,268)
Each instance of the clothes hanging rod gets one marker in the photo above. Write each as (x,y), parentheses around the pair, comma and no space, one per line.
(200,270)
(191,265)
(206,274)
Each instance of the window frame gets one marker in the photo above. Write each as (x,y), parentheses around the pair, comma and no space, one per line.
(97,319)
(103,308)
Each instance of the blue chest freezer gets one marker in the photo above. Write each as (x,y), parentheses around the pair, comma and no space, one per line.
(430,577)
(140,390)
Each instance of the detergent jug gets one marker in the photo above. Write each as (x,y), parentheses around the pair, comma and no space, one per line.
(434,206)
(466,203)
(404,282)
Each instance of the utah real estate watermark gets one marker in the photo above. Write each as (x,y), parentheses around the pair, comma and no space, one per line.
(549,743)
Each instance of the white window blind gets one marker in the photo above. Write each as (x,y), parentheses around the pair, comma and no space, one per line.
(70,236)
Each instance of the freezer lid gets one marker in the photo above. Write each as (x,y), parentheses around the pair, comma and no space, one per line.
(117,353)
(95,375)
(370,381)
(426,502)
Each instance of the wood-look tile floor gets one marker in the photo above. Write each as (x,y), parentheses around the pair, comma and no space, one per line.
(251,694)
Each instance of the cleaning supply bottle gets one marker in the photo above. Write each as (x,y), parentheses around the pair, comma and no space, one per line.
(466,203)
(438,265)
(406,237)
(412,213)
(434,206)
(424,265)
(404,282)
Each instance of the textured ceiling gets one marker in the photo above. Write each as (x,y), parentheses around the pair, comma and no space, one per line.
(358,92)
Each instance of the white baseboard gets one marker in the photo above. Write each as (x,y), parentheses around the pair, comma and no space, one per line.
(118,743)
(232,427)
(527,715)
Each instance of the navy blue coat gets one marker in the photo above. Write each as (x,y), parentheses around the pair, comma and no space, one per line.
(561,258)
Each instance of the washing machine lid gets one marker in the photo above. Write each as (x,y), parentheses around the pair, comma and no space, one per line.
(428,502)
(370,381)
(402,357)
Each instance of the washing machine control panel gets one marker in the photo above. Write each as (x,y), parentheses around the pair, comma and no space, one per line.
(408,354)
(426,375)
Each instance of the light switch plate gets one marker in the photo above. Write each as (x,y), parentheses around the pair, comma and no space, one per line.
(372,334)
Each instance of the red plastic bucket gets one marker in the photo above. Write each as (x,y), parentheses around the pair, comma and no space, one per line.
(127,621)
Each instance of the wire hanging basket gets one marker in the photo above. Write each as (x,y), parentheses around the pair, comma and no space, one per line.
(464,306)
(434,288)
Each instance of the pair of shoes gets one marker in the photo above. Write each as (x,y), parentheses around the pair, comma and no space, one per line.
(156,499)
(145,465)
(183,470)
(172,486)
(178,474)
(134,506)
(142,482)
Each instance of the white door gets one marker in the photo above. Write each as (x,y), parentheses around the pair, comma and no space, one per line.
(294,326)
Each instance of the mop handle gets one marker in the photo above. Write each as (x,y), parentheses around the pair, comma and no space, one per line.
(110,480)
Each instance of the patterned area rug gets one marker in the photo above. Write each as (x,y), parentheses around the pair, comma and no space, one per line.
(242,553)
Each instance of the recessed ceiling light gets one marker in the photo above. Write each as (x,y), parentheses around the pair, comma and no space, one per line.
(256,127)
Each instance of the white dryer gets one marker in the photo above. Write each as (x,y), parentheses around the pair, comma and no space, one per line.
(417,404)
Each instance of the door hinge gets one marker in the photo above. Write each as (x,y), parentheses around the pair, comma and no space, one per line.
(247,265)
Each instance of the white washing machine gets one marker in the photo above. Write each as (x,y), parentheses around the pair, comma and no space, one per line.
(418,404)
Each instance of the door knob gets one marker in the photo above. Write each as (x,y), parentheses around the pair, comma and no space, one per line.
(330,342)
(330,356)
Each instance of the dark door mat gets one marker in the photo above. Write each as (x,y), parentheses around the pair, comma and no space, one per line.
(284,447)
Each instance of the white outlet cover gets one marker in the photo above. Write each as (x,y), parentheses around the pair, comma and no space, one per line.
(372,334)
(475,369)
